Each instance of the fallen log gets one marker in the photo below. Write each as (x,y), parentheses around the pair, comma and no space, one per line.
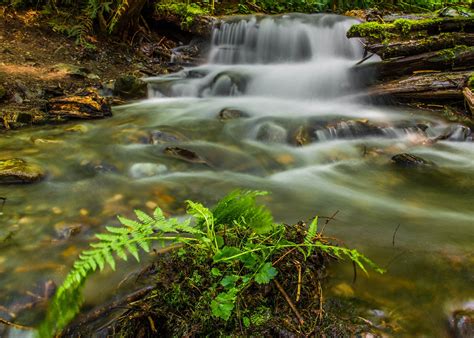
(457,58)
(469,99)
(419,46)
(432,86)
(403,27)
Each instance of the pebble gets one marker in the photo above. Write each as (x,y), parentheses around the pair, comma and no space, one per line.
(151,205)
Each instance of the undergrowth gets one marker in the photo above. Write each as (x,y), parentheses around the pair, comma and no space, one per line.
(235,248)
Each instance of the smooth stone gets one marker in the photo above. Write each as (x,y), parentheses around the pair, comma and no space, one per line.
(272,133)
(184,154)
(406,160)
(163,137)
(19,171)
(65,230)
(142,170)
(231,114)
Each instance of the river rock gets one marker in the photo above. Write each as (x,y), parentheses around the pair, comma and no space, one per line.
(142,170)
(184,154)
(83,106)
(130,87)
(19,171)
(461,322)
(65,230)
(271,132)
(231,114)
(406,160)
(164,137)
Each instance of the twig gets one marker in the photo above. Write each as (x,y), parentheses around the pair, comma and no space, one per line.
(16,326)
(94,315)
(298,288)
(283,256)
(365,59)
(290,303)
(394,234)
(329,219)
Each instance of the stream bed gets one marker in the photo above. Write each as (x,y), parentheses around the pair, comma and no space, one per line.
(276,108)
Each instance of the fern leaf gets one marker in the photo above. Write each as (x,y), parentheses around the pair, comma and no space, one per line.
(144,217)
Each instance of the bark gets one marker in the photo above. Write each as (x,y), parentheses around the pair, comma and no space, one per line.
(432,86)
(129,22)
(457,58)
(469,99)
(413,47)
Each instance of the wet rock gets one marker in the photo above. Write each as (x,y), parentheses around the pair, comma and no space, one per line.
(184,154)
(461,134)
(92,168)
(86,105)
(65,230)
(142,170)
(272,133)
(164,137)
(348,130)
(301,136)
(19,171)
(461,322)
(130,87)
(406,160)
(231,114)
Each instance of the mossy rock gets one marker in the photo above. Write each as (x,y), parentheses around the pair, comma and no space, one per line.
(14,171)
(130,87)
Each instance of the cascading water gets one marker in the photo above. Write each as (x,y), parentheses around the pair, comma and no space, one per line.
(277,107)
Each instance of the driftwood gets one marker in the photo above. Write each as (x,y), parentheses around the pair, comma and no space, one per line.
(413,47)
(430,86)
(469,99)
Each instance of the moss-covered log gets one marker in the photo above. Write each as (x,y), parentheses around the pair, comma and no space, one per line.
(457,58)
(432,86)
(413,47)
(469,99)
(403,27)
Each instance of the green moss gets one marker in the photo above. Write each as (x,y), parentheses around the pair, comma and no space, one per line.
(374,30)
(470,81)
(449,55)
(186,12)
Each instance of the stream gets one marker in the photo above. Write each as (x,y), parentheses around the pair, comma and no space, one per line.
(277,107)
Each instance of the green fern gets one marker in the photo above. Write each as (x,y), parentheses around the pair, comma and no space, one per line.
(121,241)
(240,206)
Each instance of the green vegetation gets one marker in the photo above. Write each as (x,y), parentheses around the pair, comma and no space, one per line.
(234,248)
(83,19)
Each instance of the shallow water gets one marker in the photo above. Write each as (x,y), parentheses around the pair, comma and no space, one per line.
(99,169)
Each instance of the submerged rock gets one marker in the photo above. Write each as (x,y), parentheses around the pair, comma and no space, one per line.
(86,105)
(142,170)
(231,114)
(271,132)
(164,137)
(130,87)
(19,171)
(184,154)
(406,160)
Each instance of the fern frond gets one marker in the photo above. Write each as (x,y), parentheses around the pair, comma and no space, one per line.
(117,241)
(311,234)
(240,206)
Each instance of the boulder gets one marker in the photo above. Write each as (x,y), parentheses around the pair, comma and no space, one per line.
(271,132)
(13,171)
(130,87)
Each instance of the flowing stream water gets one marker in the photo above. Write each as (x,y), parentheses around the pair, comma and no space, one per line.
(277,107)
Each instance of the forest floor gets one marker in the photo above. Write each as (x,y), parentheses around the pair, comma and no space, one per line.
(37,64)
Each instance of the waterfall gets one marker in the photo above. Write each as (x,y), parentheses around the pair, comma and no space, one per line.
(292,56)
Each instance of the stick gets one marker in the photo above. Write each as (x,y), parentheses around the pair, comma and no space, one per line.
(16,326)
(394,234)
(288,300)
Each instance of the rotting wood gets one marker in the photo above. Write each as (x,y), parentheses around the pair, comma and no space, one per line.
(418,46)
(427,86)
(469,99)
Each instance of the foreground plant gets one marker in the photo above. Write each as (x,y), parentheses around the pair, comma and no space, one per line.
(237,242)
